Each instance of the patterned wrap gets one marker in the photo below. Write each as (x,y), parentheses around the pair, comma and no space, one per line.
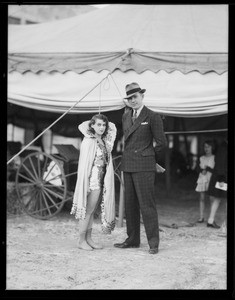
(88,151)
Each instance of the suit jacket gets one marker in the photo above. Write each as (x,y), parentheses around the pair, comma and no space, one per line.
(139,154)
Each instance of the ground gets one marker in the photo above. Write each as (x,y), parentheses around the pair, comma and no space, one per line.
(43,254)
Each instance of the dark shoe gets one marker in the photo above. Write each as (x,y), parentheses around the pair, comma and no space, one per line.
(126,245)
(201,220)
(213,225)
(153,250)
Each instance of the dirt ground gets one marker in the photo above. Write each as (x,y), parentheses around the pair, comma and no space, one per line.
(43,255)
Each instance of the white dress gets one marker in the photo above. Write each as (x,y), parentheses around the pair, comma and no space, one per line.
(203,180)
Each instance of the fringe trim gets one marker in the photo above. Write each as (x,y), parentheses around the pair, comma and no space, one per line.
(80,213)
(107,227)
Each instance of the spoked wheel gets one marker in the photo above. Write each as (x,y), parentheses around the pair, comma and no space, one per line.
(41,185)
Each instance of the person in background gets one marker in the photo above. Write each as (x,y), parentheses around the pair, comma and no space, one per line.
(95,178)
(217,190)
(140,126)
(206,160)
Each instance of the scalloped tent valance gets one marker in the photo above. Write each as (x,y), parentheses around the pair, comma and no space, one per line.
(179,53)
(185,38)
(174,94)
(137,61)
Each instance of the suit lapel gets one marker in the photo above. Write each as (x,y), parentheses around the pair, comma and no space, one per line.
(127,123)
(137,123)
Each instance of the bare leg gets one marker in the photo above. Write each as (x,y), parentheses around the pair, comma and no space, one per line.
(83,224)
(201,205)
(215,202)
(91,204)
(94,196)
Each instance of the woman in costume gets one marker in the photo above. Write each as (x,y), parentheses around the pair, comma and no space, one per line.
(95,178)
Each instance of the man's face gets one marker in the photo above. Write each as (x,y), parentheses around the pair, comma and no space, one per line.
(136,100)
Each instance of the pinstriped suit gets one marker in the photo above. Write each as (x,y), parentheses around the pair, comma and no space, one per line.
(138,165)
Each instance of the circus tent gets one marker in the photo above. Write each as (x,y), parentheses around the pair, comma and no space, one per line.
(178,53)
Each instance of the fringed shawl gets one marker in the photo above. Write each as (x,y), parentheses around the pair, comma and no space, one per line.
(86,158)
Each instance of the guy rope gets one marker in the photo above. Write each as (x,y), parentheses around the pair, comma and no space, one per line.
(24,148)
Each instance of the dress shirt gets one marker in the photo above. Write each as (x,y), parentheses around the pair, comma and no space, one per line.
(138,111)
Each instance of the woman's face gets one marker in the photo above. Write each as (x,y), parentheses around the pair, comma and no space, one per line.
(208,149)
(99,127)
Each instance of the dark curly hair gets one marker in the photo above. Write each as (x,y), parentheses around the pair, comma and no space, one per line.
(100,117)
(210,143)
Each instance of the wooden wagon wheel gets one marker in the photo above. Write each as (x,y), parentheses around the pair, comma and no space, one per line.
(41,185)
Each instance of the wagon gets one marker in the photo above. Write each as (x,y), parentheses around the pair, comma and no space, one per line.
(44,182)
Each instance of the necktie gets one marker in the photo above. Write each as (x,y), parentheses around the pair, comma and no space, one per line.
(134,117)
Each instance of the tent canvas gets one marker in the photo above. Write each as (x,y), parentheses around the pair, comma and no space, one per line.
(175,94)
(169,37)
(179,53)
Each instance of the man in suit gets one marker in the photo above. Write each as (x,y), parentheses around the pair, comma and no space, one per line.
(140,126)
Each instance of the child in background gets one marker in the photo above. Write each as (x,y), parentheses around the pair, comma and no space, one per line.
(207,162)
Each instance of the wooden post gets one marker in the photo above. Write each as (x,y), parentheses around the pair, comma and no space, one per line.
(13,132)
(121,203)
(186,142)
(168,170)
(37,131)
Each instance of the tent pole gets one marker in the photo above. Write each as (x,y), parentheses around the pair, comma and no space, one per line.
(13,132)
(121,203)
(51,141)
(39,142)
(168,167)
(186,142)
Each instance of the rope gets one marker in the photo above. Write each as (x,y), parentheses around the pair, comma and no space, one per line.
(17,154)
(106,80)
(116,85)
(100,99)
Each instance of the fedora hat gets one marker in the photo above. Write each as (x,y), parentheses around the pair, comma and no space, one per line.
(132,89)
